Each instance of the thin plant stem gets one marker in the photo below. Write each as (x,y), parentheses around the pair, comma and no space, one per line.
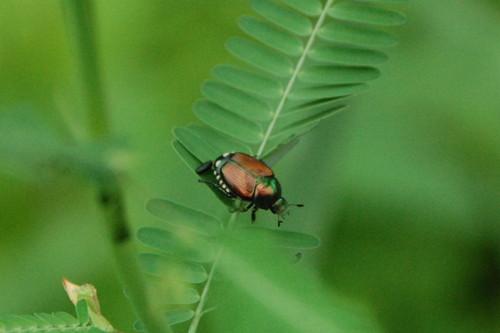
(81,28)
(126,263)
(204,295)
(79,14)
(293,79)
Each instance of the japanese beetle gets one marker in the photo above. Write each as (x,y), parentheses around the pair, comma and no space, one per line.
(241,176)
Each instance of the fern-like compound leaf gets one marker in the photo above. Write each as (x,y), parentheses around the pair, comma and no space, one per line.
(58,322)
(193,241)
(295,52)
(298,61)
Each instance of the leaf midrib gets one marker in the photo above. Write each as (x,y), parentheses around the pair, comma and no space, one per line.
(293,78)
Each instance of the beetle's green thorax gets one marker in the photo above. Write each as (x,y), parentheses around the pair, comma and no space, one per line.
(267,192)
(272,185)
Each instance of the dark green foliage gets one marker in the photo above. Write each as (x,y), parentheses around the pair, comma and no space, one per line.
(302,59)
(403,190)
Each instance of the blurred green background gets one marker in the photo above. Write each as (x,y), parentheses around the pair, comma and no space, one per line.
(403,188)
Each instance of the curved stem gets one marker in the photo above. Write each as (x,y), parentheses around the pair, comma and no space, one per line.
(293,79)
(80,18)
(204,295)
(79,14)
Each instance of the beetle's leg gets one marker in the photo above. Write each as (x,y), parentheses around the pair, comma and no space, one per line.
(254,210)
(216,185)
(279,222)
(211,182)
(241,207)
(244,209)
(204,167)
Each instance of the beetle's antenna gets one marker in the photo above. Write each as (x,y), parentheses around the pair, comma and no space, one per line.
(294,205)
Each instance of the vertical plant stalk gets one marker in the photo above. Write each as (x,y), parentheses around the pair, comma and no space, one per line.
(204,295)
(79,17)
(293,79)
(79,21)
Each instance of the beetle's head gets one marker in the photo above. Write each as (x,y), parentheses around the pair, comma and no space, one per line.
(280,208)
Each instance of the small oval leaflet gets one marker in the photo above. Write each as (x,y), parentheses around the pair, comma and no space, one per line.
(260,56)
(249,81)
(192,247)
(173,317)
(363,13)
(228,122)
(177,215)
(183,270)
(278,238)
